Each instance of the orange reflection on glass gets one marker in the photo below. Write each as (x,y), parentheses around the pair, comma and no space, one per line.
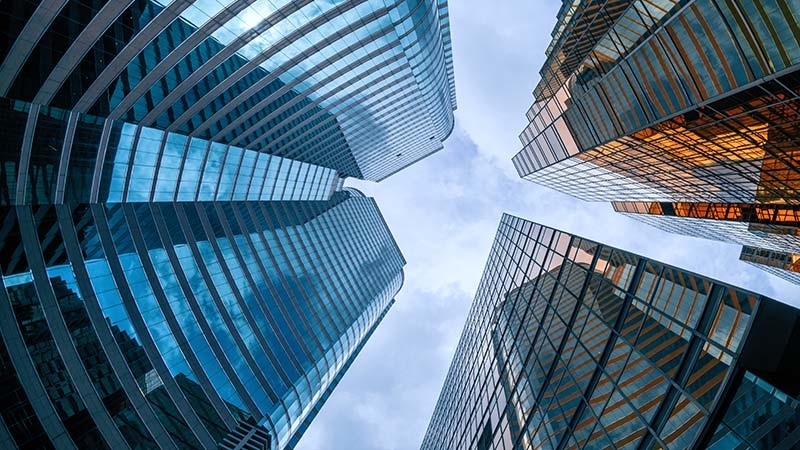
(781,260)
(771,218)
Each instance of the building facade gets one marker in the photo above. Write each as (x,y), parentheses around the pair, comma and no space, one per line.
(571,344)
(781,264)
(180,265)
(363,87)
(674,109)
(769,234)
(169,325)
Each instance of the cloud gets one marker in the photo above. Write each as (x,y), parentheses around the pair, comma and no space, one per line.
(498,48)
(444,212)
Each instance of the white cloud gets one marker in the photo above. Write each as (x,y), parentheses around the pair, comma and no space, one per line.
(444,212)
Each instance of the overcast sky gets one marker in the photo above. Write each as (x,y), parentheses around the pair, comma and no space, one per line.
(444,212)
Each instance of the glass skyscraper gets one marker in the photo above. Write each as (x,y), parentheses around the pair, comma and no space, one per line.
(571,344)
(180,265)
(364,87)
(170,324)
(782,264)
(685,111)
(760,229)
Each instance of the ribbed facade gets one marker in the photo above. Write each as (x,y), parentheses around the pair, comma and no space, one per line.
(691,103)
(169,325)
(180,265)
(364,87)
(571,344)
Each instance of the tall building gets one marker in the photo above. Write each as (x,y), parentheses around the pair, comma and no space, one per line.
(763,230)
(571,344)
(180,265)
(781,264)
(363,87)
(171,324)
(683,113)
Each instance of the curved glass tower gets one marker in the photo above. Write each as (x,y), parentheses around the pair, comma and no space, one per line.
(169,325)
(180,267)
(364,87)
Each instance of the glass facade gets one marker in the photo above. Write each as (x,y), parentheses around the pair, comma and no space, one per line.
(769,234)
(781,264)
(170,325)
(571,344)
(675,109)
(129,163)
(364,87)
(180,264)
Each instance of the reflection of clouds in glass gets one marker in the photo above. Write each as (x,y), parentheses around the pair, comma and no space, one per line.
(246,20)
(192,169)
(169,167)
(108,297)
(122,156)
(145,160)
(189,324)
(297,290)
(223,172)
(200,11)
(213,165)
(153,316)
(200,290)
(241,326)
(371,293)
(170,286)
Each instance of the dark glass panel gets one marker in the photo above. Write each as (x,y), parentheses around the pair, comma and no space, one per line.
(65,28)
(49,237)
(82,159)
(760,415)
(13,116)
(52,372)
(48,141)
(104,50)
(16,409)
(142,64)
(13,17)
(176,75)
(12,255)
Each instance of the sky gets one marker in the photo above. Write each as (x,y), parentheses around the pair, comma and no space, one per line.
(444,212)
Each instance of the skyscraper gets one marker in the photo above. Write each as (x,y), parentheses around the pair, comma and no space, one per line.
(782,264)
(361,87)
(180,265)
(258,307)
(768,229)
(572,344)
(682,113)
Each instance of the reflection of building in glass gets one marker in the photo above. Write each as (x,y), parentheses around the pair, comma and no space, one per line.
(676,109)
(178,323)
(180,265)
(573,344)
(65,391)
